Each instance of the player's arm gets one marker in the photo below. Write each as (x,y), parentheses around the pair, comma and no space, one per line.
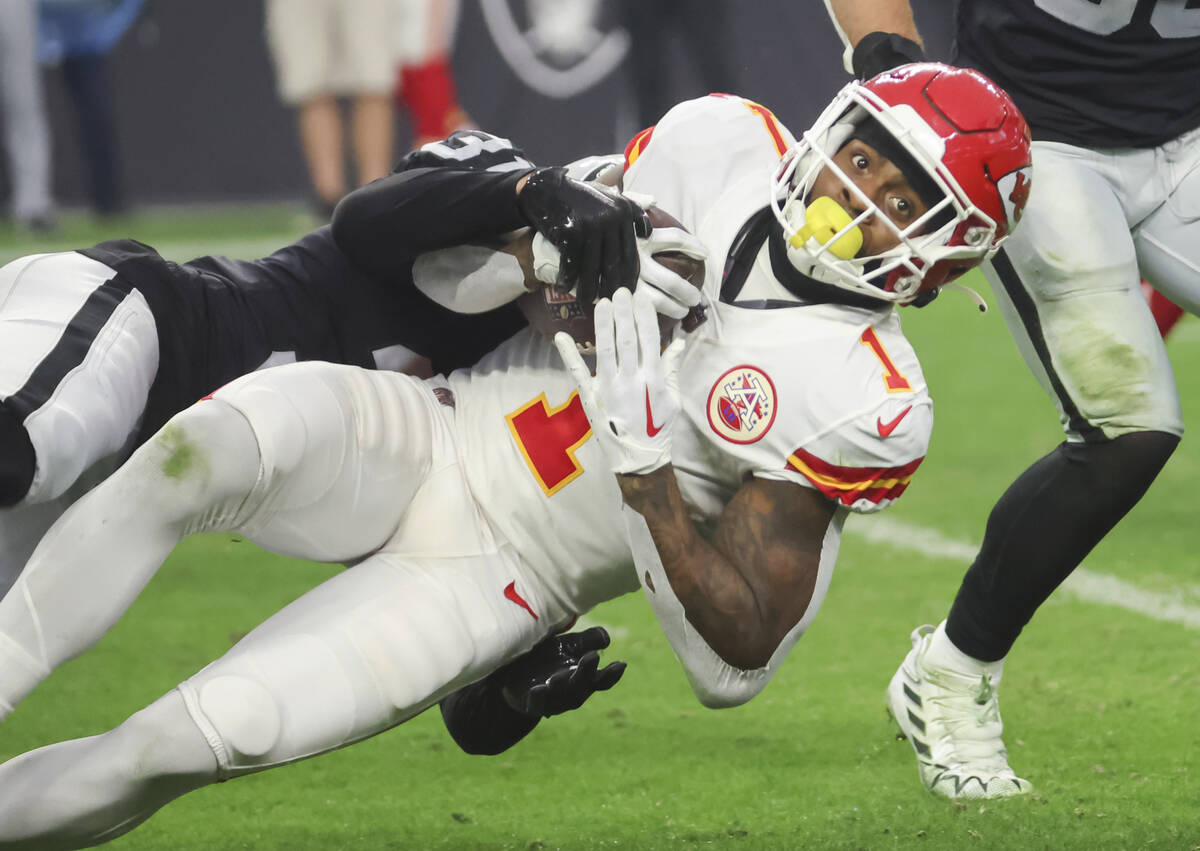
(877,34)
(748,588)
(464,190)
(732,608)
(382,226)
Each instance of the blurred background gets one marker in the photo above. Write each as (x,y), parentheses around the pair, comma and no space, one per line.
(155,107)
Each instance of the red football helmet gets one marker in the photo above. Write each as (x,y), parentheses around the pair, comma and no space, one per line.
(957,126)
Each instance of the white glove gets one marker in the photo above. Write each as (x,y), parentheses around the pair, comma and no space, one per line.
(670,294)
(633,399)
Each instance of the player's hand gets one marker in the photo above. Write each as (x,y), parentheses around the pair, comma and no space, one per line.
(633,399)
(881,51)
(670,293)
(559,674)
(594,231)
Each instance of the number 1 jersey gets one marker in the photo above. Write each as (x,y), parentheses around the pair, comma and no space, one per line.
(824,395)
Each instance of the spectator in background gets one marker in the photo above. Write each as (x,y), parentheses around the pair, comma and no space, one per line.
(26,133)
(424,84)
(701,29)
(324,50)
(78,36)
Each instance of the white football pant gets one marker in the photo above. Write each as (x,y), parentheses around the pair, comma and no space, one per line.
(312,460)
(1067,280)
(79,355)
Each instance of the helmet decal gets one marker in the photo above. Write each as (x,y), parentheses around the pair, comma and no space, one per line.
(1014,193)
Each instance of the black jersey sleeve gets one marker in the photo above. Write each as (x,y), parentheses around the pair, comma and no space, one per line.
(385,224)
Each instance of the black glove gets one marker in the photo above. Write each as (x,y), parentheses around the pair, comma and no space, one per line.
(879,51)
(558,674)
(593,230)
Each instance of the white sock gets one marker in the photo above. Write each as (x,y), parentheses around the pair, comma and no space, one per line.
(943,654)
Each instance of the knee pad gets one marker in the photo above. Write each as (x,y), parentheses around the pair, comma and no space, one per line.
(18,462)
(284,696)
(239,717)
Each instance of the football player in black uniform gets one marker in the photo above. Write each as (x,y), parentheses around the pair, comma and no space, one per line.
(100,347)
(1109,91)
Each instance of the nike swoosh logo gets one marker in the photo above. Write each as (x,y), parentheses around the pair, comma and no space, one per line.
(510,591)
(887,428)
(651,428)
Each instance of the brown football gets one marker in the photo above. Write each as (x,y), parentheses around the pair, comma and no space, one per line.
(550,311)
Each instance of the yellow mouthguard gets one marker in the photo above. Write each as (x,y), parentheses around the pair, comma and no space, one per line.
(823,219)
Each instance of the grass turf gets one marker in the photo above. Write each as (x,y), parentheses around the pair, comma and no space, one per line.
(1099,703)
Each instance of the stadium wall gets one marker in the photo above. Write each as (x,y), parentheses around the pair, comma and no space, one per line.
(200,121)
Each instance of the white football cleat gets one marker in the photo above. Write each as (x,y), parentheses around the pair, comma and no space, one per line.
(952,719)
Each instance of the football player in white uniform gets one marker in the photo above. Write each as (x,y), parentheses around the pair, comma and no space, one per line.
(482,511)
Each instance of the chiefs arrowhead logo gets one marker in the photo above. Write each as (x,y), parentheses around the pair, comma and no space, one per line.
(1014,192)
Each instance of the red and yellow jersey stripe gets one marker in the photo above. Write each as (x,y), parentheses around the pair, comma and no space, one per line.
(636,145)
(850,484)
(778,138)
(770,122)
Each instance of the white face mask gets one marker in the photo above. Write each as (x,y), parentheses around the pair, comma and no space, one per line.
(824,239)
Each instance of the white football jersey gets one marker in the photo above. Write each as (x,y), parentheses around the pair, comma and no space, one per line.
(827,396)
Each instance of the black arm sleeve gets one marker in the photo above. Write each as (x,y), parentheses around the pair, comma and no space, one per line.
(386,223)
(481,722)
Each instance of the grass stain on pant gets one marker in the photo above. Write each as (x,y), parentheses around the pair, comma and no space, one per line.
(183,457)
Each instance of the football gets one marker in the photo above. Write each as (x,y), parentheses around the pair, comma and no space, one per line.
(549,311)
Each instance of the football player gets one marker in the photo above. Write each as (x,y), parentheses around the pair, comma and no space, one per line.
(100,347)
(458,498)
(1110,93)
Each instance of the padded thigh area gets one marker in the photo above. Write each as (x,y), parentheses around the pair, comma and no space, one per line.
(343,452)
(357,655)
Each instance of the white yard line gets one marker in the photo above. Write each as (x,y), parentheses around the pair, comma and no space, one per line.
(1083,584)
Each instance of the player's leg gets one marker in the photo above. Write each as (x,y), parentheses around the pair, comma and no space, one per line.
(78,354)
(1070,293)
(194,475)
(83,792)
(27,139)
(299,38)
(365,65)
(312,460)
(1168,239)
(359,654)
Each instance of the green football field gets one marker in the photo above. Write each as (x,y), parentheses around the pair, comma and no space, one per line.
(1101,697)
